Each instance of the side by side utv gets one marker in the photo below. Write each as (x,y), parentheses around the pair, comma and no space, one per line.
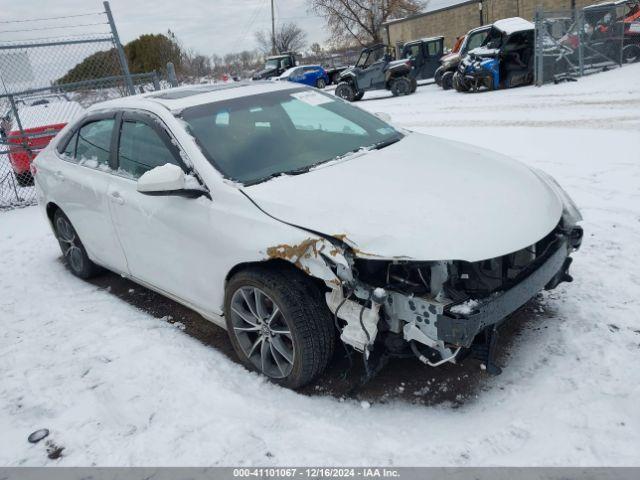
(449,63)
(504,60)
(425,55)
(376,70)
(276,65)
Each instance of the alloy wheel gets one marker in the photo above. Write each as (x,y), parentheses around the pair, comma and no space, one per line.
(71,246)
(262,332)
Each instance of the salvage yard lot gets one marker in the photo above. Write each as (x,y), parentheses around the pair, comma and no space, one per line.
(145,382)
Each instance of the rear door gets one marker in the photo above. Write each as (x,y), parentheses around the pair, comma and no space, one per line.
(79,183)
(169,241)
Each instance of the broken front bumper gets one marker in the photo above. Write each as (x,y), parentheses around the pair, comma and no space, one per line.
(434,324)
(460,330)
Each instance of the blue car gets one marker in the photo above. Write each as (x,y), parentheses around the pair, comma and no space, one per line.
(312,75)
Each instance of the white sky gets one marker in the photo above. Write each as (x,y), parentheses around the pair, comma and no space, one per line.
(207,26)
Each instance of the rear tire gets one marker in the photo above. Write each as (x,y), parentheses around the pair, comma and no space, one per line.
(279,324)
(447,81)
(345,91)
(320,83)
(73,251)
(400,86)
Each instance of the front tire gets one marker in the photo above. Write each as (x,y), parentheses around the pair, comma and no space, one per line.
(345,91)
(447,81)
(631,54)
(460,83)
(414,85)
(400,87)
(437,76)
(73,251)
(279,324)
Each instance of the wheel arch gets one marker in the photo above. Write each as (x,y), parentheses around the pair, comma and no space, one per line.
(274,264)
(50,210)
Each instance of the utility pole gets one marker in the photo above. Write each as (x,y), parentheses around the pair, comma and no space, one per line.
(480,9)
(273,30)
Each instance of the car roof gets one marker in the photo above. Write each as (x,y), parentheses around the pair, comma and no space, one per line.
(478,29)
(424,39)
(176,99)
(513,25)
(603,5)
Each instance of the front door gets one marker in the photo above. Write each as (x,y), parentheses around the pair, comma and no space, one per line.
(169,241)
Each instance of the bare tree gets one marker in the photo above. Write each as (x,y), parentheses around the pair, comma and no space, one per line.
(361,20)
(289,38)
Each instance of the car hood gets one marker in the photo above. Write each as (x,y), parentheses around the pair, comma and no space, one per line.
(450,57)
(263,73)
(422,198)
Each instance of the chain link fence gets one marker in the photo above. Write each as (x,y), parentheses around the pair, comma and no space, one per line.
(47,81)
(574,43)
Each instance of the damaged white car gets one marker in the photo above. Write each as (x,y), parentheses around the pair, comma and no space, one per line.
(292,218)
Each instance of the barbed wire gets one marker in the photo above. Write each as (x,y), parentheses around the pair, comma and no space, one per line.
(54,28)
(50,18)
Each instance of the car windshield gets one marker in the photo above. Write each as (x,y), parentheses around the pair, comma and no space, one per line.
(272,63)
(493,39)
(251,139)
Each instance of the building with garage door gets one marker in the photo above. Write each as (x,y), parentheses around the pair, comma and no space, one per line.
(452,18)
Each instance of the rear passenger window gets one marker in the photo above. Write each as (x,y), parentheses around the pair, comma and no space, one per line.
(70,149)
(142,149)
(94,142)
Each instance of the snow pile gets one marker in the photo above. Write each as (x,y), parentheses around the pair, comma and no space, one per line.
(116,386)
(465,308)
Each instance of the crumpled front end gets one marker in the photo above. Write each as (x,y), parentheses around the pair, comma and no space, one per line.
(435,310)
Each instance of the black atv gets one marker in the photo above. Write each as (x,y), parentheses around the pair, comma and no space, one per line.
(376,70)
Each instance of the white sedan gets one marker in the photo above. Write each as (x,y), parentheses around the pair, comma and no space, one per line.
(294,220)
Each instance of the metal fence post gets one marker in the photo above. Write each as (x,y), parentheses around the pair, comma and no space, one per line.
(23,138)
(120,50)
(156,80)
(539,54)
(580,22)
(171,74)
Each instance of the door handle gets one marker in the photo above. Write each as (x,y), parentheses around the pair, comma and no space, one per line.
(115,196)
(59,175)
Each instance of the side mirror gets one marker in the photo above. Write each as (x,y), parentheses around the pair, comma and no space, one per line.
(168,180)
(385,117)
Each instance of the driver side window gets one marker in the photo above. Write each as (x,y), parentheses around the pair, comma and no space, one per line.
(142,149)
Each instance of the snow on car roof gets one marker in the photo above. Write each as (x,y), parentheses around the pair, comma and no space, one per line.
(514,24)
(176,99)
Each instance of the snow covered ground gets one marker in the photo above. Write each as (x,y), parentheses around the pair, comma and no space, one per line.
(118,387)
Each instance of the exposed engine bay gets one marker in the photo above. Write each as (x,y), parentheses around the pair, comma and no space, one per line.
(435,310)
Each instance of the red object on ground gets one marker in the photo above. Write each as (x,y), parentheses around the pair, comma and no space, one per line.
(36,139)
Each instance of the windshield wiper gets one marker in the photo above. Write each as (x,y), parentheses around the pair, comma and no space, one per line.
(307,168)
(385,143)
